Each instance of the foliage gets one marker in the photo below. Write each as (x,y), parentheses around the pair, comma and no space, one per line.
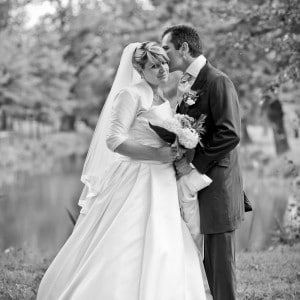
(265,37)
(291,228)
(34,74)
(68,60)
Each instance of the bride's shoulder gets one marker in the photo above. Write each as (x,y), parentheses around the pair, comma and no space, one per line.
(139,90)
(139,93)
(134,89)
(130,95)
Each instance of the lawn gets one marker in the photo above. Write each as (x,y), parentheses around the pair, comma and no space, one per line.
(272,274)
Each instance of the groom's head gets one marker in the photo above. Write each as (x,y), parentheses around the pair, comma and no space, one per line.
(182,44)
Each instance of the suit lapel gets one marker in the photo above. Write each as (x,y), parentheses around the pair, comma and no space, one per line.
(201,79)
(198,85)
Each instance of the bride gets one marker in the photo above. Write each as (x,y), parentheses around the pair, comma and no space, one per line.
(129,242)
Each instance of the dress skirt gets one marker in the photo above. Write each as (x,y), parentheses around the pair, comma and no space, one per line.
(131,245)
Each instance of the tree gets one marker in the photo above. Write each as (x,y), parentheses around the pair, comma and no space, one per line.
(67,62)
(266,33)
(5,7)
(274,112)
(256,43)
(32,68)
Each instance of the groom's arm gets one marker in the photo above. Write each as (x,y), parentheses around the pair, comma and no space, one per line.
(223,101)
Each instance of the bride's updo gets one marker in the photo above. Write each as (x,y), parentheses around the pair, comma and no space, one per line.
(148,51)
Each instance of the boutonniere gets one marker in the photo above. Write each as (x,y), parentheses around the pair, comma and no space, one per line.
(190,97)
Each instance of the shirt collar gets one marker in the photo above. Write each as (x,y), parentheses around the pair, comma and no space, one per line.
(196,66)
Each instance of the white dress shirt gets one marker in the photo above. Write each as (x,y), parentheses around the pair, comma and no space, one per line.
(189,77)
(196,66)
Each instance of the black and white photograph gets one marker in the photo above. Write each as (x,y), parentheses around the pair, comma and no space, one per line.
(149,150)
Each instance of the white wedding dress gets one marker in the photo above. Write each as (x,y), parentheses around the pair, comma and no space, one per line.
(132,243)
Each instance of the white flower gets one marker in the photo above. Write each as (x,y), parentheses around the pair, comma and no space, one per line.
(188,138)
(183,127)
(190,102)
(190,97)
(171,124)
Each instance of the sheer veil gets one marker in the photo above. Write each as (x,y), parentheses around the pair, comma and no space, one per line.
(99,157)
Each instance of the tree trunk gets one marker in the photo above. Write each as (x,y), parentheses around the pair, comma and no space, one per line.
(67,123)
(246,139)
(5,7)
(280,138)
(3,120)
(275,115)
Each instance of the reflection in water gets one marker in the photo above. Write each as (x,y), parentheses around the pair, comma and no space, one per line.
(33,213)
(269,198)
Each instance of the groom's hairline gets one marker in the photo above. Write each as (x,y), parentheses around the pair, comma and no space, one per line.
(171,29)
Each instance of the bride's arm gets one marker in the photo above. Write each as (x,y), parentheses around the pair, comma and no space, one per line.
(138,151)
(124,113)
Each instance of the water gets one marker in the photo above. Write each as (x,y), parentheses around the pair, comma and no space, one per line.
(269,200)
(33,212)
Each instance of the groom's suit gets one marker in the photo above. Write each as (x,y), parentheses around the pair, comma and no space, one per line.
(222,202)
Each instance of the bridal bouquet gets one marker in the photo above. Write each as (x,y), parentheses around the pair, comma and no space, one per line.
(183,128)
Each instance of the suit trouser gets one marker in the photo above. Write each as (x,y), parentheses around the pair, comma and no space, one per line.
(219,263)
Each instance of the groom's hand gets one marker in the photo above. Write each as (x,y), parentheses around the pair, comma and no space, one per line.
(182,167)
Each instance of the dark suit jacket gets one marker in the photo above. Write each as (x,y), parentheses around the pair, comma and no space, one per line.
(222,202)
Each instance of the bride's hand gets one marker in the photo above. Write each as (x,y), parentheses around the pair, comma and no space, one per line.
(167,154)
(181,151)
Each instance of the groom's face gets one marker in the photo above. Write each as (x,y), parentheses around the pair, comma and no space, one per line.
(174,55)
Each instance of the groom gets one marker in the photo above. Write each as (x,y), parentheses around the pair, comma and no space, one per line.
(222,202)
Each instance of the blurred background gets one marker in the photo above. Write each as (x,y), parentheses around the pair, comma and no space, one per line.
(57,62)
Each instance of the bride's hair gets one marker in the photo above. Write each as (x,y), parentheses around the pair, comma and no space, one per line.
(148,51)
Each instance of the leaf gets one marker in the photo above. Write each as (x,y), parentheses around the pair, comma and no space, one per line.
(163,133)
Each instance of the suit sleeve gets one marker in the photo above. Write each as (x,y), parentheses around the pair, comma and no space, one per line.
(224,108)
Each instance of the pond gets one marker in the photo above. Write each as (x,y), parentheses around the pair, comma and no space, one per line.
(269,196)
(33,213)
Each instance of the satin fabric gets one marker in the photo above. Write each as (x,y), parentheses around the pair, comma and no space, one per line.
(131,243)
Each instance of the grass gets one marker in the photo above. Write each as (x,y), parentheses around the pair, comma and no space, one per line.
(272,274)
(21,273)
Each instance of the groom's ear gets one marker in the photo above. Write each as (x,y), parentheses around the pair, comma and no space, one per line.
(184,49)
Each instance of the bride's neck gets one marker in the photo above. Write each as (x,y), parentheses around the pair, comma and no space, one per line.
(154,88)
(157,92)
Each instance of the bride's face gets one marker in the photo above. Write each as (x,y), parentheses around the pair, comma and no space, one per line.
(156,74)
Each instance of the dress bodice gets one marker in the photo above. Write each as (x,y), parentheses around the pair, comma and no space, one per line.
(140,130)
(131,114)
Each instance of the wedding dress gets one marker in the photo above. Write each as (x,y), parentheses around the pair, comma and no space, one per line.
(130,242)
